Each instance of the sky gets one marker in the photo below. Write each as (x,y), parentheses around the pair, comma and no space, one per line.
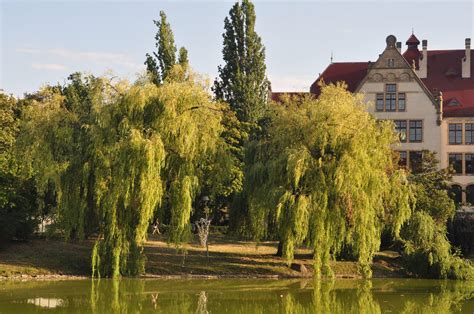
(44,41)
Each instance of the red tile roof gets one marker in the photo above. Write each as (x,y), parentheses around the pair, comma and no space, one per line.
(444,74)
(412,55)
(351,73)
(413,40)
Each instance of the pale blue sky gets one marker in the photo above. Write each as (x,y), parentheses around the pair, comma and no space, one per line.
(44,41)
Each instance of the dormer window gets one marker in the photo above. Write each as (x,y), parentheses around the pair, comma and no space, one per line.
(453,103)
(451,72)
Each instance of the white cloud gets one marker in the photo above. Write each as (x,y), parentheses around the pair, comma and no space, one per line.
(291,83)
(103,58)
(99,57)
(27,50)
(48,66)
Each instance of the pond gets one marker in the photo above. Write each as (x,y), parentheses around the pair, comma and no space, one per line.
(237,296)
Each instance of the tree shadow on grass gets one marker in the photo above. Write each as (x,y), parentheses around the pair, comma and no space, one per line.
(41,256)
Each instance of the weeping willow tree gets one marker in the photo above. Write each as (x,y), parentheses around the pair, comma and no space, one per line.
(114,151)
(427,251)
(325,175)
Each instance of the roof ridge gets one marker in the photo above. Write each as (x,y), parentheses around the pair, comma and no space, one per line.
(345,62)
(446,50)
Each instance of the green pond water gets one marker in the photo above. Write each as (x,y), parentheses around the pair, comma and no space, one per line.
(237,296)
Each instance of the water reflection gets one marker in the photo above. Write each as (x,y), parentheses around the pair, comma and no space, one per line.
(202,303)
(239,296)
(50,303)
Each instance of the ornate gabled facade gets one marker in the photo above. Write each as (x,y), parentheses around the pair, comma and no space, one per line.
(430,97)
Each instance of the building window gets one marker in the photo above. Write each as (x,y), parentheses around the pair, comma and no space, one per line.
(379,103)
(456,193)
(401,101)
(455,133)
(469,133)
(455,160)
(469,163)
(401,129)
(403,161)
(390,102)
(391,63)
(410,160)
(470,194)
(391,88)
(415,160)
(391,97)
(416,130)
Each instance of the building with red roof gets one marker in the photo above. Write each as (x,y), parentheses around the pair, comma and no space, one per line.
(429,95)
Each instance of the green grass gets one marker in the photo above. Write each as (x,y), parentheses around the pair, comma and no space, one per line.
(228,257)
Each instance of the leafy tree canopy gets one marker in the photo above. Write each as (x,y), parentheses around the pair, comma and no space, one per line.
(426,249)
(242,81)
(162,61)
(18,206)
(432,187)
(325,175)
(114,150)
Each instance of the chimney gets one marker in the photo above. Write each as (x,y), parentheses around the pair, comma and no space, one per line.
(423,63)
(466,61)
(399,46)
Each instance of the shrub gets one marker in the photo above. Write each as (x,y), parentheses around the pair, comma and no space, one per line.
(428,253)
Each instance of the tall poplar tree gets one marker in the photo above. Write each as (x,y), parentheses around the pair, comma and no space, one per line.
(242,81)
(162,61)
(243,84)
(183,57)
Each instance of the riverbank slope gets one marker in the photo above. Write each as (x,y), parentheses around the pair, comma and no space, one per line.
(228,257)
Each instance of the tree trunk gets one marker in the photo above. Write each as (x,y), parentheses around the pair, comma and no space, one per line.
(280,249)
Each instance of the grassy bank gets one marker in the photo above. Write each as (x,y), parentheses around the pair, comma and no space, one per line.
(228,257)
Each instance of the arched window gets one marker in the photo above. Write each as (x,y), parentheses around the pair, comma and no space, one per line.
(470,194)
(456,193)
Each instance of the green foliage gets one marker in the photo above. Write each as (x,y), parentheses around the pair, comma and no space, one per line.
(223,171)
(242,81)
(18,206)
(152,69)
(19,214)
(243,84)
(427,251)
(183,57)
(113,152)
(8,123)
(162,62)
(325,175)
(431,186)
(57,144)
(461,233)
